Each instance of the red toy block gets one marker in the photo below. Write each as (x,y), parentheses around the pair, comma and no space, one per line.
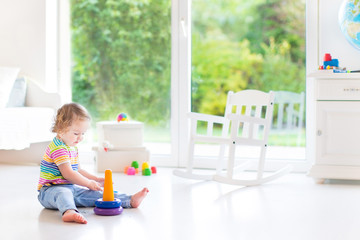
(327,57)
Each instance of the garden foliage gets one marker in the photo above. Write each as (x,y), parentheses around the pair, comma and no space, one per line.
(122,53)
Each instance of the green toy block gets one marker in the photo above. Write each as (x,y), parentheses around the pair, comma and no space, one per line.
(146,172)
(135,164)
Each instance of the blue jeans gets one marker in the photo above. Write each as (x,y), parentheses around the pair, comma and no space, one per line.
(68,196)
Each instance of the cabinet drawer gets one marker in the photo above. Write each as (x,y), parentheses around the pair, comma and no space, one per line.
(338,90)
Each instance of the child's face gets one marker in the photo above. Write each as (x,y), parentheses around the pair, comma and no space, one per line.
(75,133)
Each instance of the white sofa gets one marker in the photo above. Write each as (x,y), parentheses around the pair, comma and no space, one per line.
(25,130)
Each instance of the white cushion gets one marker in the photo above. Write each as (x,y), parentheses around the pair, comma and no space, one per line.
(7,79)
(18,93)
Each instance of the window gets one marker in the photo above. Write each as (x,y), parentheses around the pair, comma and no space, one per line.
(158,60)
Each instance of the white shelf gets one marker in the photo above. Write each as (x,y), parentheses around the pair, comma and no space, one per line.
(329,74)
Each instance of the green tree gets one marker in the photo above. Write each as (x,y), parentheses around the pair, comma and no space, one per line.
(246,44)
(280,20)
(277,71)
(220,66)
(121,58)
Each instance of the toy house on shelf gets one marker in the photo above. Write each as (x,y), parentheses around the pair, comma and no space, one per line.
(119,144)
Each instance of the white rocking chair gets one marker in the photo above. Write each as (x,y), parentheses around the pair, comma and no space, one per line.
(247,121)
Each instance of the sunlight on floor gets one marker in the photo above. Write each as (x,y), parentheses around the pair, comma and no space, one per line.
(292,207)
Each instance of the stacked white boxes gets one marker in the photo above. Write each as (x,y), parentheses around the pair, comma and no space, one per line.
(119,144)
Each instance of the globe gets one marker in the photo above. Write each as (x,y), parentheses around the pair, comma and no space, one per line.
(349,21)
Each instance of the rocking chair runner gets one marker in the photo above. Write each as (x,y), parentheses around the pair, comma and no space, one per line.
(247,121)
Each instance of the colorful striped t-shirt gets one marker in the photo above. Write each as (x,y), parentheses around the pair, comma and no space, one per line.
(57,153)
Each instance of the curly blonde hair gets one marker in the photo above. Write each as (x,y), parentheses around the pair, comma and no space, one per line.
(67,114)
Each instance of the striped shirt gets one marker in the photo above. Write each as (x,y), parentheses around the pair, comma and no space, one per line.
(57,153)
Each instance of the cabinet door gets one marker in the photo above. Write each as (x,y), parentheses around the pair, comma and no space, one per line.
(338,133)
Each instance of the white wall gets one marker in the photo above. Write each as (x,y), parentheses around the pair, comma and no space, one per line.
(324,36)
(22,37)
(331,38)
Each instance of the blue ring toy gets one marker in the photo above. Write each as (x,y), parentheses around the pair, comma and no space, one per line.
(108,204)
(108,211)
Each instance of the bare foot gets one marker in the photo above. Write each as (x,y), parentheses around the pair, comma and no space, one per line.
(137,198)
(73,216)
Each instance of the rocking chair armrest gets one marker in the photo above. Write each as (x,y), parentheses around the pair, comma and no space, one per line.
(206,117)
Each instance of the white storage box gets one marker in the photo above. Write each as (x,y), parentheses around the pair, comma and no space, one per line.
(120,134)
(118,160)
(120,143)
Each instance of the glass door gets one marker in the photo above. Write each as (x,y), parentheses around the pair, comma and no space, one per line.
(241,44)
(121,63)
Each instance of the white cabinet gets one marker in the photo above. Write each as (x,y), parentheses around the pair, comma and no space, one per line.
(337,126)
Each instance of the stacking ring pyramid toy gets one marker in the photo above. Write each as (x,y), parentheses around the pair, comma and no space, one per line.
(108,205)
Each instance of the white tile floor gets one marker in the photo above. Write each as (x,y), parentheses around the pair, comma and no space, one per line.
(293,207)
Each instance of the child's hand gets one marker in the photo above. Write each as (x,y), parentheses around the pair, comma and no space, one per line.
(101,181)
(95,186)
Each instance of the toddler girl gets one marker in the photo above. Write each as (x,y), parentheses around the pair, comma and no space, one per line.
(63,184)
